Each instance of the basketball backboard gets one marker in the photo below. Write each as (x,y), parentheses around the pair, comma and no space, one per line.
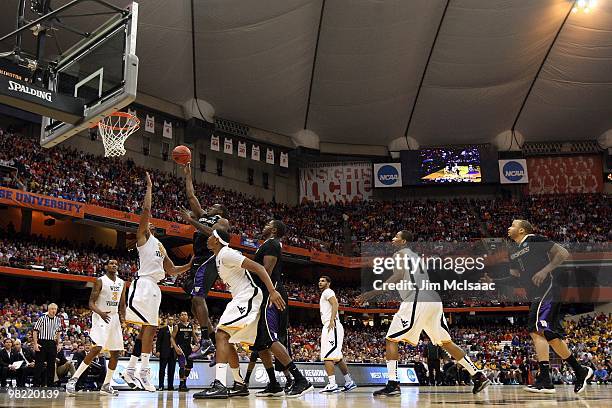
(96,76)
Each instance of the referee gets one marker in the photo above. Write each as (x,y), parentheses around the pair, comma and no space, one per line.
(46,337)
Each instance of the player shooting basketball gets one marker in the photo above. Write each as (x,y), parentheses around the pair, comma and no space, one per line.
(203,273)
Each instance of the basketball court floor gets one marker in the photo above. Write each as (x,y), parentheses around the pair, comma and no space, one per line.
(421,397)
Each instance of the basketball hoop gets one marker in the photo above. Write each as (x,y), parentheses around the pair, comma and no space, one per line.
(115,129)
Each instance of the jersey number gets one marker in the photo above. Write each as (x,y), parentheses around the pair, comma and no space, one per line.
(115,296)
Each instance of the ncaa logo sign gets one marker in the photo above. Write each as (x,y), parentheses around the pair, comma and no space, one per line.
(513,171)
(388,175)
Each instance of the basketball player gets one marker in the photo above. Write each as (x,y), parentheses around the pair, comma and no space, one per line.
(107,302)
(181,340)
(533,263)
(238,323)
(203,273)
(332,338)
(144,296)
(420,310)
(272,330)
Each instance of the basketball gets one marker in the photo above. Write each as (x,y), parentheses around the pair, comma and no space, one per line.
(181,155)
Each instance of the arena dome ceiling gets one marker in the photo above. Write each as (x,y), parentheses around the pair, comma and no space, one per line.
(351,70)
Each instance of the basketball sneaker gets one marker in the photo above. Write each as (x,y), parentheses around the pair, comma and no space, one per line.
(216,391)
(480,382)
(392,389)
(206,347)
(145,380)
(299,388)
(106,389)
(129,376)
(330,389)
(349,386)
(542,385)
(271,390)
(71,386)
(288,385)
(239,390)
(582,377)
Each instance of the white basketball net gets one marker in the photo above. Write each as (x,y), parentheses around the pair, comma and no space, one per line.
(115,129)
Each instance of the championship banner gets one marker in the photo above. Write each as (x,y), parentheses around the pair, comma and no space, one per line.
(565,174)
(228,146)
(242,149)
(284,159)
(167,130)
(513,171)
(150,124)
(388,175)
(270,156)
(336,182)
(255,152)
(18,198)
(214,143)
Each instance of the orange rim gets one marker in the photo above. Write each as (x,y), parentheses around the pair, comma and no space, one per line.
(135,121)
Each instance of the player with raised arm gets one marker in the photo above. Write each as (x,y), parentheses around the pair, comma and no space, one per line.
(107,303)
(144,295)
(532,265)
(420,310)
(332,339)
(203,273)
(238,323)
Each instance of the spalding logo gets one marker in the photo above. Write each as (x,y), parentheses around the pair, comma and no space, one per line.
(388,175)
(513,171)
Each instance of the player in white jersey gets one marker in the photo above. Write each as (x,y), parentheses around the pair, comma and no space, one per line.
(332,338)
(420,310)
(144,296)
(107,302)
(238,323)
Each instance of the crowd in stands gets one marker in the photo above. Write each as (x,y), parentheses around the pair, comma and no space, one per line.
(502,349)
(119,184)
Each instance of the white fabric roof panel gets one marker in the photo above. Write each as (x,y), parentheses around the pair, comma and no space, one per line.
(255,65)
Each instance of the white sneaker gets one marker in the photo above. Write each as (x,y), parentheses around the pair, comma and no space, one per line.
(145,380)
(108,390)
(129,376)
(71,387)
(330,389)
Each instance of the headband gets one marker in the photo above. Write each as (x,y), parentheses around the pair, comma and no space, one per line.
(221,240)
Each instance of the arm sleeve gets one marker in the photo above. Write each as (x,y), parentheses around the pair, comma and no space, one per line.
(328,294)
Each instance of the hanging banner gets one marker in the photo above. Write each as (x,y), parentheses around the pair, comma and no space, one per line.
(242,149)
(132,112)
(167,130)
(150,124)
(255,153)
(513,171)
(565,174)
(388,175)
(38,202)
(270,156)
(336,182)
(284,159)
(228,146)
(214,143)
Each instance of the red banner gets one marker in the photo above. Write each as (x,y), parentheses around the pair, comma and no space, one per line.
(565,174)
(18,198)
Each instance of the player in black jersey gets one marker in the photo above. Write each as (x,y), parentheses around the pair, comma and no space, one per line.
(182,339)
(533,263)
(203,273)
(272,330)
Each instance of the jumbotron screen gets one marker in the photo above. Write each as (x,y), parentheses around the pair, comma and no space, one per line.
(450,165)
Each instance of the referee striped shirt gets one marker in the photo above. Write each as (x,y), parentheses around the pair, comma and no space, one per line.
(47,327)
